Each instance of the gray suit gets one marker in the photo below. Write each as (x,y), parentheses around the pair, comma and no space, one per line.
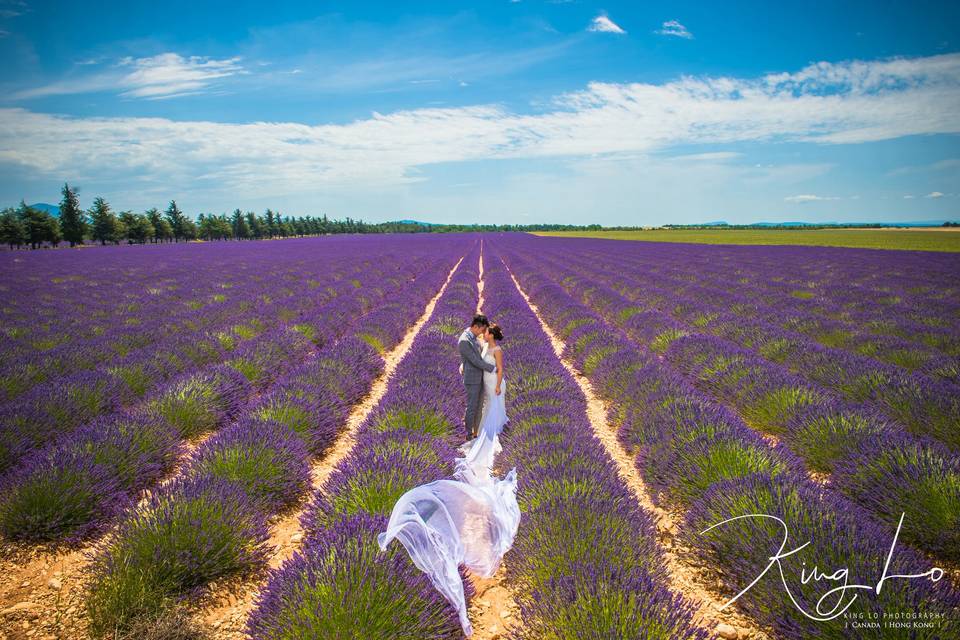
(473,368)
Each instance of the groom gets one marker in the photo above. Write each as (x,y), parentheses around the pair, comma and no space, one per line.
(473,368)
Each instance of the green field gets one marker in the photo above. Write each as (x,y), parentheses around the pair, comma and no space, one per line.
(913,239)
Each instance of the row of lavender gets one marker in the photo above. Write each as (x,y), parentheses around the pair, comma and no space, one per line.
(585,562)
(76,485)
(203,336)
(820,348)
(924,406)
(340,584)
(53,410)
(705,462)
(58,405)
(64,316)
(919,335)
(875,462)
(932,348)
(211,521)
(911,295)
(68,296)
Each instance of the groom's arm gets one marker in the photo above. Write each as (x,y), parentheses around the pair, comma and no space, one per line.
(468,353)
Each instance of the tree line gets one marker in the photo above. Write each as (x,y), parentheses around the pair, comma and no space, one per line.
(25,226)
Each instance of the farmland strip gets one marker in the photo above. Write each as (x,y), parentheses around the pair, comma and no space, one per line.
(923,404)
(286,534)
(371,323)
(405,441)
(706,463)
(928,342)
(585,556)
(251,471)
(682,574)
(875,463)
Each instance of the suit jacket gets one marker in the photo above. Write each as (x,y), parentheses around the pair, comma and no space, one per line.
(473,364)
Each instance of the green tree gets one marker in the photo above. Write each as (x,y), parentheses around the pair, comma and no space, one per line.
(106,226)
(239,225)
(224,228)
(138,226)
(73,221)
(214,227)
(255,224)
(189,229)
(161,228)
(272,223)
(12,230)
(178,222)
(40,226)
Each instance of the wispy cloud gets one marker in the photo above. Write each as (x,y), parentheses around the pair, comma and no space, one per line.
(826,103)
(934,195)
(169,74)
(908,197)
(809,197)
(604,24)
(674,28)
(166,75)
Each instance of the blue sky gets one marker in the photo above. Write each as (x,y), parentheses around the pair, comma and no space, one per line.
(490,111)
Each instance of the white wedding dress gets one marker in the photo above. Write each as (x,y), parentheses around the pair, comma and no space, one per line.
(494,413)
(471,519)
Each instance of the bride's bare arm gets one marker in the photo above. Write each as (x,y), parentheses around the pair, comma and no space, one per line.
(498,356)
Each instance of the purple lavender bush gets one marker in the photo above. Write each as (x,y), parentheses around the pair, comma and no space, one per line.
(200,402)
(340,585)
(77,485)
(64,498)
(267,460)
(891,476)
(191,532)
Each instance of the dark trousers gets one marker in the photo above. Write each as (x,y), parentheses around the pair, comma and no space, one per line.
(474,403)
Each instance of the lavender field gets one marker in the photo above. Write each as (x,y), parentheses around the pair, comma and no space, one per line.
(202,440)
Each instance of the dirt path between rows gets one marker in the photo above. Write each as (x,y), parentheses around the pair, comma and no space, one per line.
(683,572)
(224,612)
(493,609)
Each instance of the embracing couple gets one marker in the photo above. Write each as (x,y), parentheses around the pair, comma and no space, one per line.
(483,380)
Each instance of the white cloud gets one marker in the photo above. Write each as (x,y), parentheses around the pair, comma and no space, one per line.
(169,74)
(908,197)
(603,24)
(4,33)
(934,195)
(674,28)
(826,103)
(162,76)
(808,197)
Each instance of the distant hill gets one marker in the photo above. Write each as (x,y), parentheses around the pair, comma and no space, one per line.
(52,209)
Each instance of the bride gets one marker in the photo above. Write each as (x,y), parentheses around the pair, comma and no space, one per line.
(470,519)
(494,414)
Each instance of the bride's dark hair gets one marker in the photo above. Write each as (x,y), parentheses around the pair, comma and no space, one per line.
(496,332)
